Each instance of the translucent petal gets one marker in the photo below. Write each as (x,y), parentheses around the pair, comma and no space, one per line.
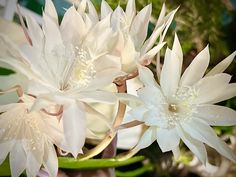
(97,96)
(35,32)
(211,87)
(139,26)
(148,137)
(74,126)
(5,148)
(146,76)
(216,115)
(222,66)
(50,10)
(170,74)
(167,139)
(194,145)
(51,161)
(17,159)
(201,131)
(105,9)
(130,9)
(229,93)
(150,54)
(178,50)
(69,27)
(196,69)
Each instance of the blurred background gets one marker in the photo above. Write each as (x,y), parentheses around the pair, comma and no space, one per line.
(198,23)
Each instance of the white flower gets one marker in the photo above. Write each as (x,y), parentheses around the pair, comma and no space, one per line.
(69,64)
(181,107)
(133,27)
(29,137)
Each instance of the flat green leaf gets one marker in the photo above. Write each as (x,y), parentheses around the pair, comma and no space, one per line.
(137,172)
(5,71)
(71,163)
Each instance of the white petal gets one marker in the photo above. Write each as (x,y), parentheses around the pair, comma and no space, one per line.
(150,54)
(52,34)
(196,69)
(148,137)
(128,56)
(93,115)
(194,145)
(170,73)
(8,48)
(211,87)
(105,9)
(167,20)
(21,67)
(178,50)
(107,62)
(97,96)
(104,78)
(51,161)
(222,66)
(133,135)
(92,12)
(116,18)
(146,76)
(4,108)
(136,113)
(32,164)
(17,160)
(35,32)
(72,27)
(216,115)
(5,148)
(176,152)
(201,131)
(50,10)
(167,139)
(74,126)
(148,44)
(161,15)
(128,99)
(130,9)
(229,93)
(151,95)
(139,27)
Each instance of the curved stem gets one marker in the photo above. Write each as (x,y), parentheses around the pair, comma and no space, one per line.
(120,80)
(58,113)
(109,137)
(16,88)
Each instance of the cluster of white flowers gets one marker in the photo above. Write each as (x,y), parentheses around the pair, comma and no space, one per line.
(69,65)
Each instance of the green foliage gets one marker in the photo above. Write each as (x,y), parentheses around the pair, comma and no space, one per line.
(5,71)
(75,164)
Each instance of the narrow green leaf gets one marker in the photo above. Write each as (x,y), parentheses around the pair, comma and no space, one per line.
(135,173)
(71,163)
(5,71)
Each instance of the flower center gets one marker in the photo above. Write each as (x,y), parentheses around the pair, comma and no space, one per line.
(182,107)
(173,108)
(83,69)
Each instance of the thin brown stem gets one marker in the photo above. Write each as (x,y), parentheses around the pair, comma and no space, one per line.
(121,87)
(58,113)
(18,89)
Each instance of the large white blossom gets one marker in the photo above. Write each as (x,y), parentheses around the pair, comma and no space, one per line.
(134,44)
(29,138)
(69,64)
(181,107)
